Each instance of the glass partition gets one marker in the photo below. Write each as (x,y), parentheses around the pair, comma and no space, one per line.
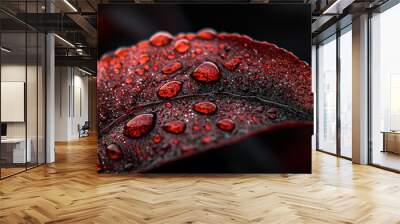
(22,88)
(14,153)
(326,101)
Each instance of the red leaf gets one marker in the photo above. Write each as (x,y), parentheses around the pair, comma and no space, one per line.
(202,91)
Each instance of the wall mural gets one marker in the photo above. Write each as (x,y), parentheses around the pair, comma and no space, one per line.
(202,93)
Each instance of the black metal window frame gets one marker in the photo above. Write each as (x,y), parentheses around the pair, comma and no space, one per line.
(337,34)
(30,29)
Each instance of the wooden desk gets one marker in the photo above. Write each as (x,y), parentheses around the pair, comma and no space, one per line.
(391,141)
(13,150)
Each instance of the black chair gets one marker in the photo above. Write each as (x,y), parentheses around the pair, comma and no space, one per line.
(84,130)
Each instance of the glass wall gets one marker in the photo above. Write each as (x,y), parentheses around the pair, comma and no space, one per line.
(385,89)
(345,93)
(334,94)
(22,93)
(327,95)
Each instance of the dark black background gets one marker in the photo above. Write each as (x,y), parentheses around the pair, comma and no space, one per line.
(287,150)
(288,26)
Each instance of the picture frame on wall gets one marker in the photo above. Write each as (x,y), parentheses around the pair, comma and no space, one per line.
(204,88)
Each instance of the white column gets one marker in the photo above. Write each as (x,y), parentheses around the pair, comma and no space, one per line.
(360,90)
(50,98)
(50,92)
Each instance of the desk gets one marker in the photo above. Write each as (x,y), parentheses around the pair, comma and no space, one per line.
(13,150)
(391,141)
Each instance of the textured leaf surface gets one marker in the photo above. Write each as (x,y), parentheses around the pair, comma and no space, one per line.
(171,97)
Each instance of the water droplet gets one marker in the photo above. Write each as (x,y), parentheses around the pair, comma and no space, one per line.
(140,125)
(171,68)
(139,71)
(174,127)
(198,51)
(206,34)
(171,56)
(161,39)
(206,72)
(122,52)
(207,139)
(143,44)
(175,141)
(143,58)
(190,36)
(272,113)
(208,127)
(129,80)
(168,105)
(226,124)
(114,152)
(232,64)
(196,127)
(157,138)
(170,89)
(206,108)
(182,45)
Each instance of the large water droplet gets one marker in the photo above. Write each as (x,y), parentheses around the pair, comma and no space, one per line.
(206,34)
(272,113)
(206,72)
(226,124)
(170,89)
(182,45)
(140,125)
(114,152)
(161,39)
(171,68)
(174,127)
(206,108)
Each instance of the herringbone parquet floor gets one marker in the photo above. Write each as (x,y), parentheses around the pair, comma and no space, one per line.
(70,191)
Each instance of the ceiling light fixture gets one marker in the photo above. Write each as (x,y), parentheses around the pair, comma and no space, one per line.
(70,5)
(337,7)
(5,50)
(64,40)
(84,71)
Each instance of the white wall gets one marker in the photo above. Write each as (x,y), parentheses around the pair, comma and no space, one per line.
(12,73)
(71,102)
(33,127)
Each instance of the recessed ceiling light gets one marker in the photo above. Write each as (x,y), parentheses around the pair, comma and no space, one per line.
(64,40)
(338,6)
(84,71)
(70,5)
(5,50)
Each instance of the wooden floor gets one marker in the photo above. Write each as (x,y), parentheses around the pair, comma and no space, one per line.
(70,191)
